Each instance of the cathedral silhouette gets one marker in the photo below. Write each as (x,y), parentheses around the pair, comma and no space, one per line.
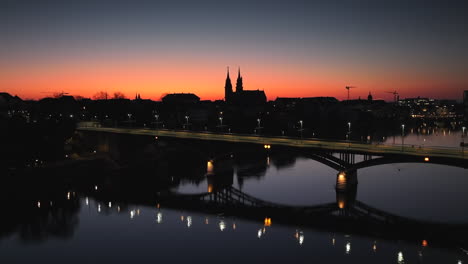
(241,97)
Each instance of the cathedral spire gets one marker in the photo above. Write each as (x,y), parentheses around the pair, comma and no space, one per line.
(228,87)
(239,85)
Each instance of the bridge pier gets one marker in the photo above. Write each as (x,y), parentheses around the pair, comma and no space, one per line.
(346,188)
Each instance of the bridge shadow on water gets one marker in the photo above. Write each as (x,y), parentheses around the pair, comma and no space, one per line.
(48,204)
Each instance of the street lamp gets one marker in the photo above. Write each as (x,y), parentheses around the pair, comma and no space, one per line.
(220,123)
(258,125)
(402,136)
(300,122)
(130,119)
(187,119)
(463,140)
(349,131)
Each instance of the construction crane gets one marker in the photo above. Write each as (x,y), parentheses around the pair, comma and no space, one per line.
(395,94)
(349,87)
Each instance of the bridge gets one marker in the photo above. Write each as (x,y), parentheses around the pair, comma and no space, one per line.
(327,145)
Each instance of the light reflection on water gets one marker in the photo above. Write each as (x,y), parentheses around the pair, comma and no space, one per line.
(145,233)
(116,232)
(428,138)
(416,190)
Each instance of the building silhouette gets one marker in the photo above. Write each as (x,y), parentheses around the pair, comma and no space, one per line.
(181,98)
(240,96)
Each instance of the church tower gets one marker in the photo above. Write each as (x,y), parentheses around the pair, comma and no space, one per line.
(228,88)
(239,86)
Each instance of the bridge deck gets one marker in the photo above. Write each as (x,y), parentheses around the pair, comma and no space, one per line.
(292,142)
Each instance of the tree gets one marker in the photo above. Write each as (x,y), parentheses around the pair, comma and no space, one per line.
(79,97)
(119,95)
(101,95)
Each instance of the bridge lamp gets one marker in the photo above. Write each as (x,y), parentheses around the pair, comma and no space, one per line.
(463,131)
(300,122)
(426,159)
(424,243)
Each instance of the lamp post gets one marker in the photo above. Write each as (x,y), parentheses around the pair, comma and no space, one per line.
(463,140)
(301,122)
(220,124)
(130,119)
(258,125)
(402,136)
(349,131)
(187,121)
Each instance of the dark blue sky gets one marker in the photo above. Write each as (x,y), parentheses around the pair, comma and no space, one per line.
(415,45)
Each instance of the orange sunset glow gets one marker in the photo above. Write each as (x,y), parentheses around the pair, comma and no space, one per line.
(153,80)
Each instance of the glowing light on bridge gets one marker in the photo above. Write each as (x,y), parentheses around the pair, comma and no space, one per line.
(110,205)
(68,195)
(267,221)
(341,177)
(426,159)
(424,243)
(87,201)
(259,233)
(132,214)
(348,248)
(209,167)
(374,247)
(39,204)
(210,187)
(267,146)
(341,204)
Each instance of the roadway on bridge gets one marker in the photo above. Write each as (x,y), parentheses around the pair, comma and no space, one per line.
(292,142)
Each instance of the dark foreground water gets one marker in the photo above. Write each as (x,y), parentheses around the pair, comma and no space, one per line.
(84,226)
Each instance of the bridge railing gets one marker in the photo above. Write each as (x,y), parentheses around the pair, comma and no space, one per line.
(334,145)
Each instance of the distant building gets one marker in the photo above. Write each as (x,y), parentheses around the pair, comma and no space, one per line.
(181,98)
(241,97)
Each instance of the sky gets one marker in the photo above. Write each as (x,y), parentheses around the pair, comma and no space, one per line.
(287,48)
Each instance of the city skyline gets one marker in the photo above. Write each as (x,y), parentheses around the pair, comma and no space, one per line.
(299,49)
